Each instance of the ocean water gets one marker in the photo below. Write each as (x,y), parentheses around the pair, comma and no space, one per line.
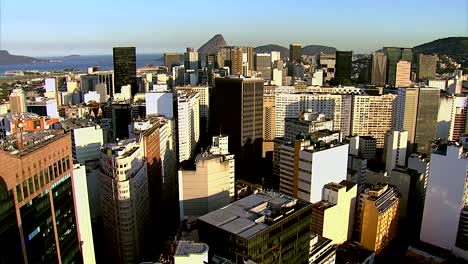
(81,63)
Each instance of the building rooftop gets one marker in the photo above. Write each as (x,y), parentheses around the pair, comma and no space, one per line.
(366,137)
(253,214)
(352,253)
(348,184)
(75,123)
(187,248)
(26,142)
(122,149)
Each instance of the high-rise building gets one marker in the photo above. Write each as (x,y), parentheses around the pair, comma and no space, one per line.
(204,97)
(417,110)
(295,52)
(394,55)
(333,216)
(191,59)
(327,62)
(403,74)
(444,219)
(125,68)
(120,114)
(171,60)
(157,140)
(336,107)
(206,184)
(18,101)
(188,121)
(239,114)
(87,139)
(343,66)
(263,65)
(305,166)
(458,121)
(395,149)
(426,66)
(377,215)
(268,117)
(43,107)
(250,57)
(160,103)
(378,69)
(39,201)
(88,83)
(83,217)
(275,56)
(124,203)
(236,61)
(373,116)
(249,229)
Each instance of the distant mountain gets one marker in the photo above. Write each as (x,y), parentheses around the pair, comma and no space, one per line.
(212,45)
(7,58)
(272,47)
(316,49)
(72,56)
(454,47)
(307,50)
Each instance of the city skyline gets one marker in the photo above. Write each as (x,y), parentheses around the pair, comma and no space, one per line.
(93,28)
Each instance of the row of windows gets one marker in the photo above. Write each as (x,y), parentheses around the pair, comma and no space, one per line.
(38,181)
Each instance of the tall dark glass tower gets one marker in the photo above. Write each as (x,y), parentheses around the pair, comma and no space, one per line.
(125,68)
(343,66)
(238,104)
(295,52)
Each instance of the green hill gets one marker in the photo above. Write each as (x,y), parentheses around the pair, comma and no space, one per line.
(454,47)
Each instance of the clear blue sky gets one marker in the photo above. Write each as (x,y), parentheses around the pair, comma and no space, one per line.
(58,27)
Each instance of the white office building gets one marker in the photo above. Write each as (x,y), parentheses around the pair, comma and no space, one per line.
(305,167)
(334,107)
(188,111)
(445,217)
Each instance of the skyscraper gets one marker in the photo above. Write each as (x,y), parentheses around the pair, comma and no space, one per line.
(124,199)
(18,101)
(236,61)
(38,200)
(307,165)
(417,111)
(170,60)
(295,52)
(343,66)
(379,69)
(191,59)
(394,55)
(238,104)
(403,74)
(426,66)
(373,116)
(263,65)
(157,140)
(188,119)
(125,68)
(376,221)
(445,210)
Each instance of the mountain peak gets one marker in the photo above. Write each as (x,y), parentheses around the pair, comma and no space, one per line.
(212,45)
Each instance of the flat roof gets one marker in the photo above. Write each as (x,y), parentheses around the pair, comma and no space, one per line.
(186,248)
(253,214)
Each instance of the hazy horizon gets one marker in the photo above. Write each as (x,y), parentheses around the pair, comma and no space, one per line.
(56,28)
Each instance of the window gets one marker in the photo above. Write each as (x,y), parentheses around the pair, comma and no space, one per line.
(19,195)
(31,187)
